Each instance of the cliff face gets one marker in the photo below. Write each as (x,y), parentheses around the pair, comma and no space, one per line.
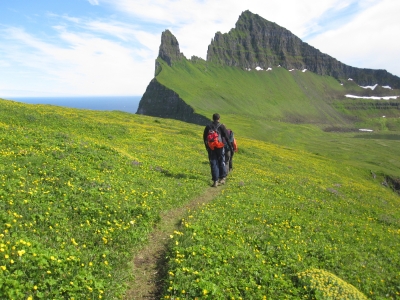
(257,42)
(159,101)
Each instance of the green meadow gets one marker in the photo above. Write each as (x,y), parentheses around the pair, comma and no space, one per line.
(289,225)
(300,110)
(81,190)
(304,215)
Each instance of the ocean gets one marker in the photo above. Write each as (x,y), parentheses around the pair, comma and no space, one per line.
(128,104)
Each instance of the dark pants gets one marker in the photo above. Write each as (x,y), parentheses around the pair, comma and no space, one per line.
(217,163)
(228,161)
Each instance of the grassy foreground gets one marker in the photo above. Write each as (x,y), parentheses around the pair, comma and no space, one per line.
(290,225)
(81,190)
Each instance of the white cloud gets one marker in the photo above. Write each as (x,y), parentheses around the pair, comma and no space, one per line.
(195,22)
(113,28)
(85,65)
(114,53)
(368,41)
(94,2)
(4,63)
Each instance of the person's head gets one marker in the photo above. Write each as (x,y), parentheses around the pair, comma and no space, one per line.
(216,117)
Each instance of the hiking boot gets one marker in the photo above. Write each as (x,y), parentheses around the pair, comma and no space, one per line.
(215,184)
(222,181)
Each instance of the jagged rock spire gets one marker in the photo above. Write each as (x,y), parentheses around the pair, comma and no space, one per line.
(169,48)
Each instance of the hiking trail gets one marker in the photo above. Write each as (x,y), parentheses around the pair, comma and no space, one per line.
(149,262)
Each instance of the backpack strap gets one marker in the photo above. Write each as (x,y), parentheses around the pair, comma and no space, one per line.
(216,127)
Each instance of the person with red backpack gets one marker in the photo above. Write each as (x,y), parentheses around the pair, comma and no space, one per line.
(214,136)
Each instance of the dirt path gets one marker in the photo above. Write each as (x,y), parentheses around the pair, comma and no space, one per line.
(149,263)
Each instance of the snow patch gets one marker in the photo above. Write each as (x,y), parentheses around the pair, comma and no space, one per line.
(350,79)
(362,129)
(269,69)
(369,86)
(373,97)
(304,70)
(291,70)
(259,68)
(386,87)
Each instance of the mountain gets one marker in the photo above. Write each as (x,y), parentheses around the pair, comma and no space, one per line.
(264,72)
(158,99)
(256,42)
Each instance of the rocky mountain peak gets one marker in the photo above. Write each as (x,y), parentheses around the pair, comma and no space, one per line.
(169,48)
(256,42)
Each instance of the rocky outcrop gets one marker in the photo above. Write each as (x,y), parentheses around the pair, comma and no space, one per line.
(169,50)
(159,101)
(394,183)
(256,42)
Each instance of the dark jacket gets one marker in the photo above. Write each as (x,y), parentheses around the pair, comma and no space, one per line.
(221,130)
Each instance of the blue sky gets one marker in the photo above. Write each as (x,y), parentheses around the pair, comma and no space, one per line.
(109,47)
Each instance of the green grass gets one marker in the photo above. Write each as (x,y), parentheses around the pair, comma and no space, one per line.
(81,190)
(291,224)
(284,95)
(285,214)
(296,109)
(277,95)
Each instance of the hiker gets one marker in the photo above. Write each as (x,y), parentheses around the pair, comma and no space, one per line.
(229,153)
(213,136)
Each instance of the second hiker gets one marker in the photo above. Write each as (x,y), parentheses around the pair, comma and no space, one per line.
(214,136)
(229,153)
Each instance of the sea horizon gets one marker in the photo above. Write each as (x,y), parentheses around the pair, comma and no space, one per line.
(128,104)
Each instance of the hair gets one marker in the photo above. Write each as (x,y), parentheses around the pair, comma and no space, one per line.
(216,117)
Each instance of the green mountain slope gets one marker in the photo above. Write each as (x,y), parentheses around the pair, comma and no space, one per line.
(277,95)
(297,109)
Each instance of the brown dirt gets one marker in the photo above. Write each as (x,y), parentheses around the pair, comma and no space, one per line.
(150,262)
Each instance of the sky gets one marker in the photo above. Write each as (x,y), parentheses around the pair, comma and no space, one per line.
(64,48)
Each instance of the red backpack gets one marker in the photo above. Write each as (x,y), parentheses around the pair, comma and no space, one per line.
(214,138)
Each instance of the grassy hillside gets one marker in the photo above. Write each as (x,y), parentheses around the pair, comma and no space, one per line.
(296,109)
(277,95)
(81,190)
(289,225)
